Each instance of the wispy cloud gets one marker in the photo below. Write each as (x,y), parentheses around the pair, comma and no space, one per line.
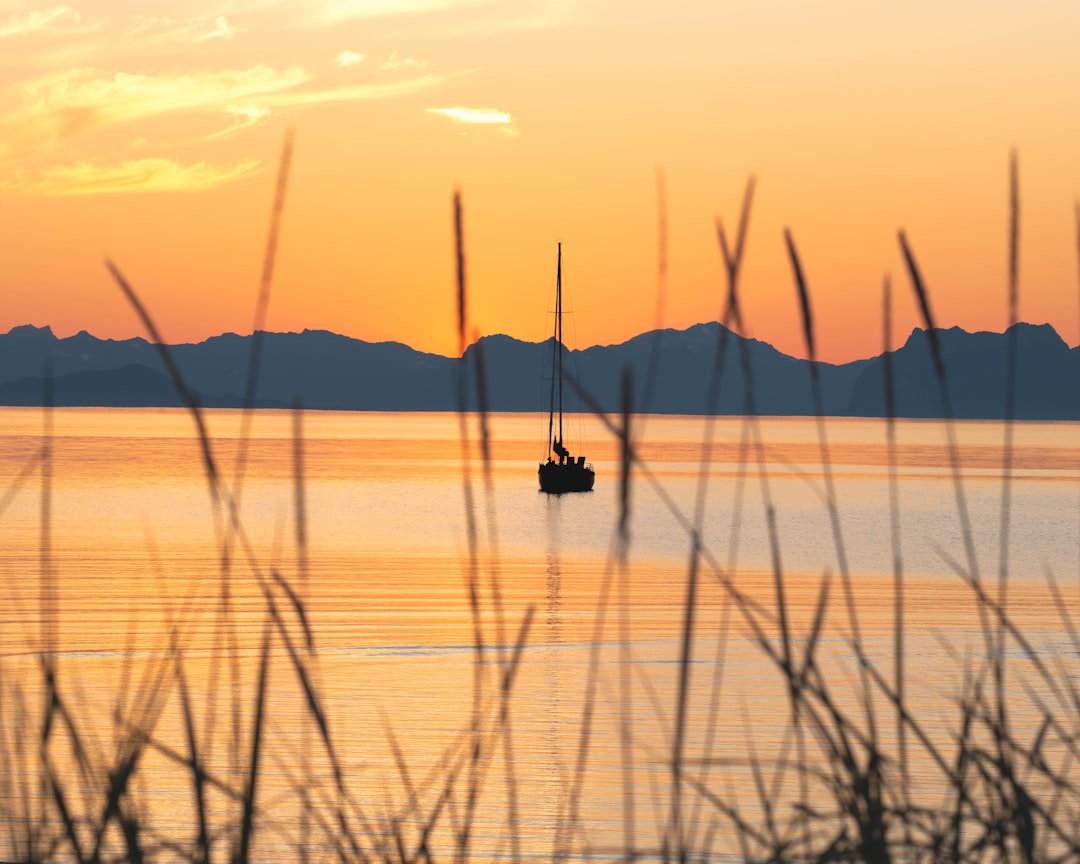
(140,175)
(349,58)
(222,30)
(120,95)
(37,20)
(483,117)
(357,93)
(393,63)
(480,116)
(53,108)
(243,117)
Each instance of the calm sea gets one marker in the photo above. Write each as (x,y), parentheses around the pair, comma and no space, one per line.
(494,665)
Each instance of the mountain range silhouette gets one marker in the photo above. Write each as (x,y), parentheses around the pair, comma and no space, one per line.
(671,369)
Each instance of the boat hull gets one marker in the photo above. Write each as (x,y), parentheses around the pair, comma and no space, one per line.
(556,479)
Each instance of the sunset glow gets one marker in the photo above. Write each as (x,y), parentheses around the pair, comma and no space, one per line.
(153,139)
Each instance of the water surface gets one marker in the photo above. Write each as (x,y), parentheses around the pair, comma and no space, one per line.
(416,624)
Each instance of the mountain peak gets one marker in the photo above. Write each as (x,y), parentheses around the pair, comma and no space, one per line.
(25,331)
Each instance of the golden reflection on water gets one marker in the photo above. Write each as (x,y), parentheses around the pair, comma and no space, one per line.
(136,546)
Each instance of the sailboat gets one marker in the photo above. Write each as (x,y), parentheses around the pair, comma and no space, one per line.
(564,473)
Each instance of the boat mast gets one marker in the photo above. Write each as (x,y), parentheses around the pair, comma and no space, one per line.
(554,356)
(559,339)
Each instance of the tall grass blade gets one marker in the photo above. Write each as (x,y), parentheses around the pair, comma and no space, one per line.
(999,654)
(826,462)
(262,304)
(734,308)
(626,697)
(118,780)
(472,577)
(924,305)
(661,290)
(733,313)
(570,815)
(49,607)
(1011,361)
(804,301)
(677,836)
(185,394)
(247,825)
(677,833)
(489,487)
(314,704)
(299,610)
(923,297)
(833,511)
(809,652)
(217,495)
(512,807)
(889,388)
(71,831)
(198,776)
(1063,611)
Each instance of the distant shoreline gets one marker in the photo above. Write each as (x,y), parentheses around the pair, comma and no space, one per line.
(326,371)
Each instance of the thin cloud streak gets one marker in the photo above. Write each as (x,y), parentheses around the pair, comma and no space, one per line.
(139,175)
(244,117)
(476,116)
(357,93)
(36,21)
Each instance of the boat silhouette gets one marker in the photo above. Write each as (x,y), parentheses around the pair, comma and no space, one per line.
(562,472)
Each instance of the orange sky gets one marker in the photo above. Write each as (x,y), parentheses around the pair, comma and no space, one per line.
(154,140)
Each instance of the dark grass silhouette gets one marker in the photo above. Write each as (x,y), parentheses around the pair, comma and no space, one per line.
(834,787)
